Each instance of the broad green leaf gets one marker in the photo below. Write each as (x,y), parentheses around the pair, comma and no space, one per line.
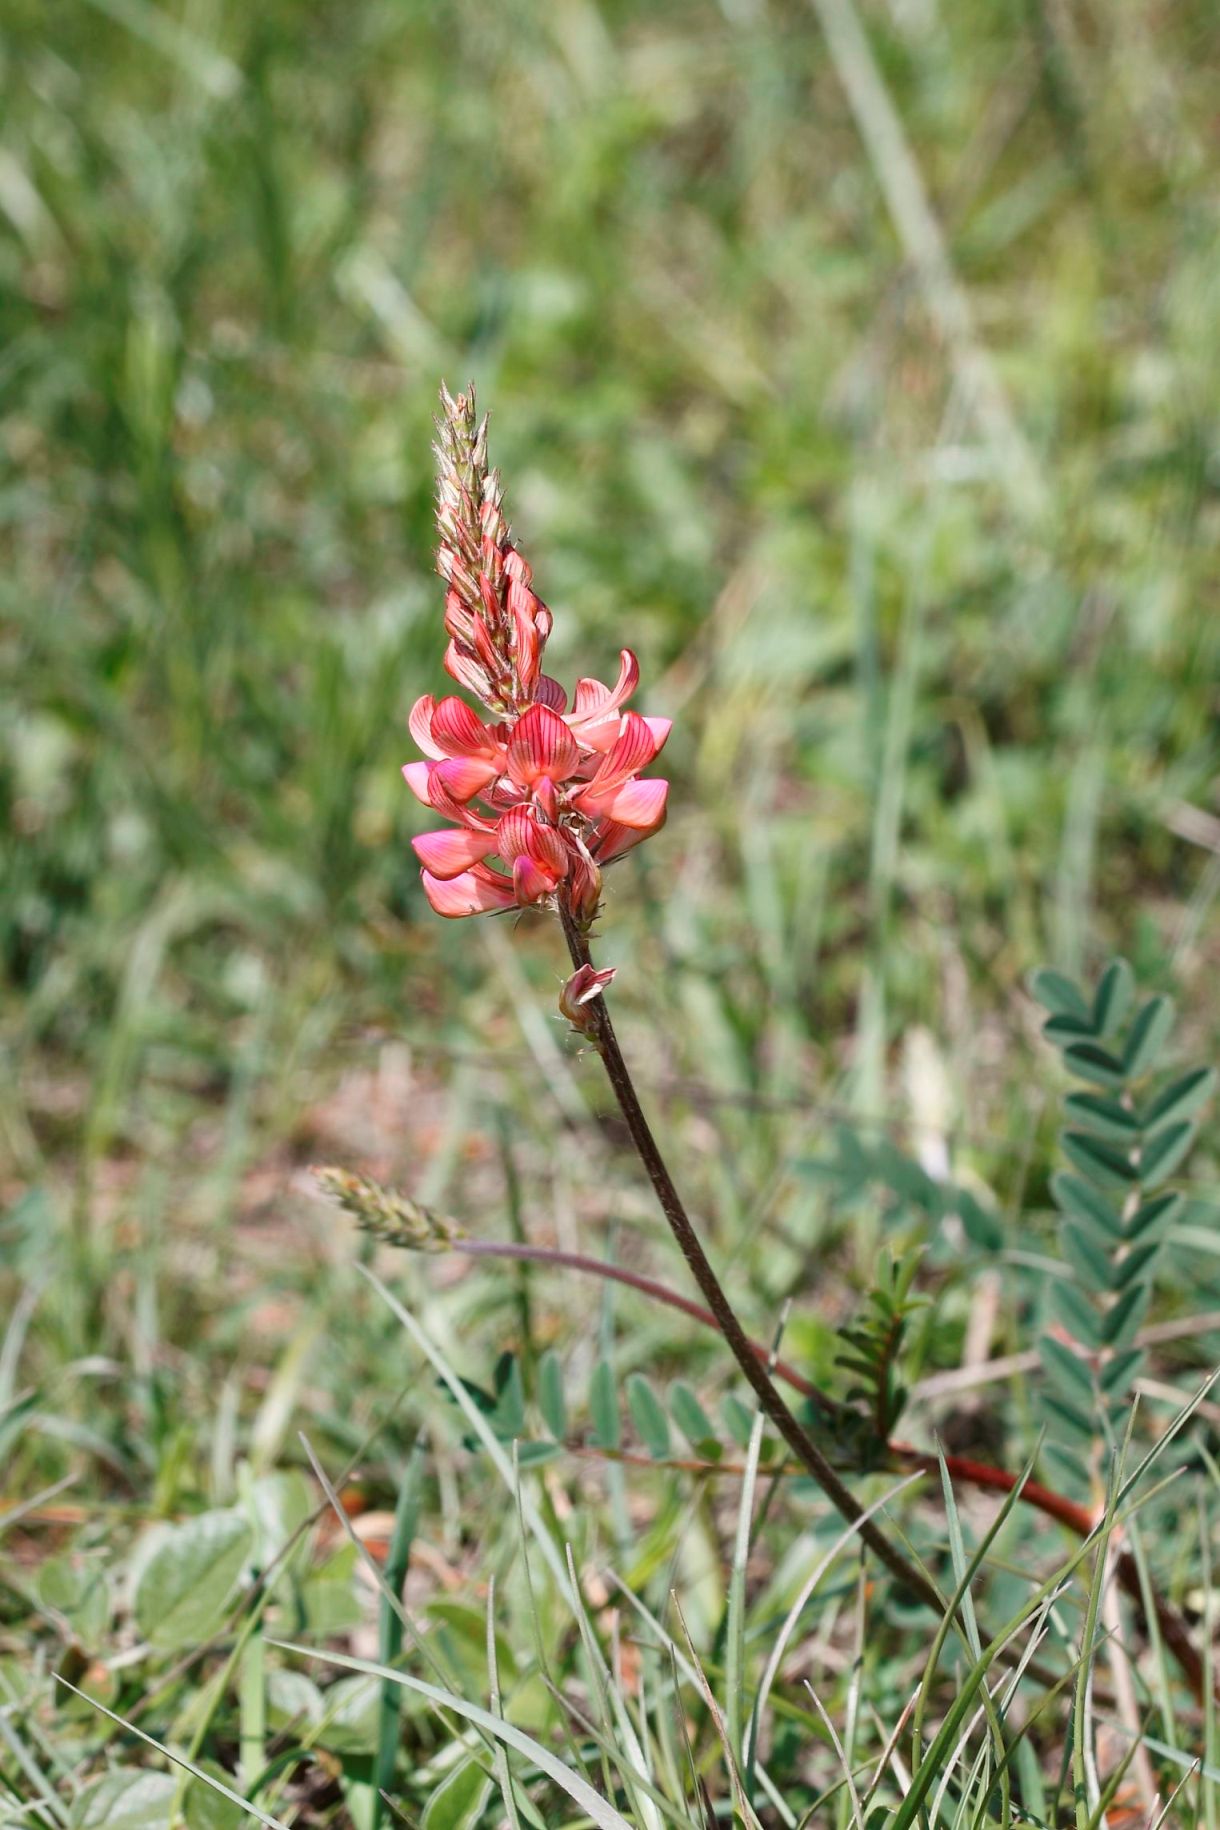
(1089,1061)
(292,1697)
(186,1584)
(648,1415)
(328,1596)
(550,1395)
(1108,1167)
(1105,1117)
(1057,994)
(78,1591)
(282,1503)
(459,1800)
(351,1716)
(1083,1202)
(1114,997)
(1148,1036)
(204,1808)
(603,1407)
(126,1800)
(1163,1151)
(1182,1098)
(689,1414)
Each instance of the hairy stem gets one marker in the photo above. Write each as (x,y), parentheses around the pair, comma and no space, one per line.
(754,1370)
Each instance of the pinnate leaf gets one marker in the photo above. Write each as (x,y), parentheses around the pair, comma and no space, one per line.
(1148,1036)
(1057,994)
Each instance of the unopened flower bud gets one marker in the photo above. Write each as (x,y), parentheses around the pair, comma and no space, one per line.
(585,984)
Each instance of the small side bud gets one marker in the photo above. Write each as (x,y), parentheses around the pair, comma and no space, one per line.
(585,984)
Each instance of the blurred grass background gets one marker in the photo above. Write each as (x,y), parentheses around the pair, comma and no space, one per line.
(858,368)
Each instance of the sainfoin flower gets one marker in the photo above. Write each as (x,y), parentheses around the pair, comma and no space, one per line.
(547,792)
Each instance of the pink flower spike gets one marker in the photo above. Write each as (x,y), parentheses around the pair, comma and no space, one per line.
(541,745)
(473,893)
(447,854)
(585,984)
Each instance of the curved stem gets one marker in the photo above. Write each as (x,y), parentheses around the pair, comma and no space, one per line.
(755,1363)
(798,1439)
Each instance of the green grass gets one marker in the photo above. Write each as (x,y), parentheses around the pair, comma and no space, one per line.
(918,546)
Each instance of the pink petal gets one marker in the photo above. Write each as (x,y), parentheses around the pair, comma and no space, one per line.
(593,702)
(549,692)
(613,840)
(520,835)
(449,853)
(419,723)
(417,774)
(634,803)
(531,882)
(462,665)
(660,728)
(464,776)
(633,749)
(541,744)
(470,894)
(459,731)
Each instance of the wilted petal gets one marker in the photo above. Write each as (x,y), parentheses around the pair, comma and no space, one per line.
(635,803)
(540,745)
(449,853)
(476,892)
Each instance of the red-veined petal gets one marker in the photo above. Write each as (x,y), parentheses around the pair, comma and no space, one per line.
(531,882)
(464,776)
(636,803)
(449,853)
(520,835)
(473,893)
(541,744)
(549,692)
(460,731)
(419,723)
